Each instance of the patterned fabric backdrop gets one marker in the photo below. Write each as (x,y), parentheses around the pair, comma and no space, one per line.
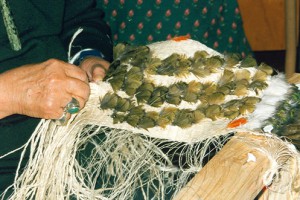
(215,23)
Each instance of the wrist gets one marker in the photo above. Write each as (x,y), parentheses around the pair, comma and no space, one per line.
(8,102)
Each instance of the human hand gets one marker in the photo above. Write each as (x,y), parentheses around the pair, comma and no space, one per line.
(42,90)
(95,68)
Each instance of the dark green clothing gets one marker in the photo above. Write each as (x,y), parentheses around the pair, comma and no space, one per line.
(217,24)
(45,29)
(12,136)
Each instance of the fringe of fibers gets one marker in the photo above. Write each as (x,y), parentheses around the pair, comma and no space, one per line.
(120,161)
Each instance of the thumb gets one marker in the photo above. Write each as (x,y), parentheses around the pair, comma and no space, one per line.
(98,72)
(95,68)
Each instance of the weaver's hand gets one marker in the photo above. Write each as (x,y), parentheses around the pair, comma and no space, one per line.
(95,68)
(42,90)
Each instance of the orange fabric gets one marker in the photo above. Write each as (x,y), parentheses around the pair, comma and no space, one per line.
(180,38)
(237,122)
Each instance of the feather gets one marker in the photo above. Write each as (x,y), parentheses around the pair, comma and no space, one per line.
(248,61)
(167,116)
(109,101)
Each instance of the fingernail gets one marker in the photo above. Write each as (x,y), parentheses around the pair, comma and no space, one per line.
(98,78)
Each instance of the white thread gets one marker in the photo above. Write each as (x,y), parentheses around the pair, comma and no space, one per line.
(71,42)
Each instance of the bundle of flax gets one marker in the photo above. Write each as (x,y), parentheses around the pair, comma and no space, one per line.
(161,112)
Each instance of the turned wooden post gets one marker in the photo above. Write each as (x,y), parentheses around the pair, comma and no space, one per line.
(235,173)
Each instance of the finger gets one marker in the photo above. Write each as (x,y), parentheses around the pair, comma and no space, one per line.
(75,72)
(78,89)
(98,72)
(95,67)
(63,119)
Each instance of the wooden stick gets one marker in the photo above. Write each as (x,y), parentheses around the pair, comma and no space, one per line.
(236,172)
(290,35)
(295,78)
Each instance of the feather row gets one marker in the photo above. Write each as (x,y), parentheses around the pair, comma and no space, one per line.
(126,110)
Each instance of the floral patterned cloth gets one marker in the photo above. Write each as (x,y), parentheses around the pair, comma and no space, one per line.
(217,24)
